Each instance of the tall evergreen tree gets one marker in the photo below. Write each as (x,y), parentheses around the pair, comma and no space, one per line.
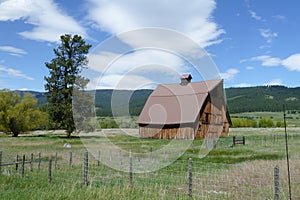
(70,58)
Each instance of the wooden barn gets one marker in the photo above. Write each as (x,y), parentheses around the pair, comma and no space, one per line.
(185,110)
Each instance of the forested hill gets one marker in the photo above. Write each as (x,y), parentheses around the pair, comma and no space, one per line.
(262,98)
(249,99)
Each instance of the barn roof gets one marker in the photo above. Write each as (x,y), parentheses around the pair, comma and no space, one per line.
(176,103)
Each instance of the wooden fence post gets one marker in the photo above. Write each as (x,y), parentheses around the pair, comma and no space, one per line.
(276,183)
(85,168)
(49,171)
(130,170)
(23,165)
(30,162)
(39,161)
(190,178)
(55,160)
(150,153)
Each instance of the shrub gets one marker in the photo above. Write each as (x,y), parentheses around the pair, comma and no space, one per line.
(238,122)
(266,123)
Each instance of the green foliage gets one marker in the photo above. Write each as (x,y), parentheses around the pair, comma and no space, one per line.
(280,124)
(20,115)
(238,122)
(70,58)
(266,123)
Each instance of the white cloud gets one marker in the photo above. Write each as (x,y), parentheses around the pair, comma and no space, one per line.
(111,63)
(193,19)
(279,17)
(229,74)
(13,50)
(267,61)
(292,62)
(243,85)
(274,82)
(14,73)
(255,16)
(268,35)
(48,19)
(249,68)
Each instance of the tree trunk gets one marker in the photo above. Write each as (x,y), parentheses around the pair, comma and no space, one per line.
(68,135)
(14,134)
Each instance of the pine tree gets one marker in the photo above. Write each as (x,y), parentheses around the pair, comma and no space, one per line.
(65,68)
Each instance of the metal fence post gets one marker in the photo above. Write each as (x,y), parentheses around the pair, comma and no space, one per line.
(85,168)
(130,170)
(0,161)
(71,158)
(99,158)
(23,165)
(276,183)
(17,162)
(49,171)
(190,178)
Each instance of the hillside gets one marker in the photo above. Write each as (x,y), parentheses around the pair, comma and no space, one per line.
(249,99)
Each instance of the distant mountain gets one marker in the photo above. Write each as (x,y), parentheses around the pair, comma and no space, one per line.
(248,99)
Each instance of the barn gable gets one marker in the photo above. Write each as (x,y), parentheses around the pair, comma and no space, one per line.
(185,111)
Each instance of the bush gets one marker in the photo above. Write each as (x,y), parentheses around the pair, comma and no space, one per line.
(279,124)
(238,122)
(266,123)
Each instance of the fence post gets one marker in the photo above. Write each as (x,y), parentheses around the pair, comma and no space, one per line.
(39,161)
(55,161)
(110,155)
(120,157)
(70,162)
(99,157)
(139,155)
(150,153)
(0,161)
(276,183)
(85,168)
(49,171)
(23,165)
(190,178)
(130,170)
(17,162)
(233,140)
(30,162)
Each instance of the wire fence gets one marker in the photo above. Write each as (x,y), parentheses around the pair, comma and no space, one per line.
(183,179)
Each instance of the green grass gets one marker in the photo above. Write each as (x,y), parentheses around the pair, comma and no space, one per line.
(167,183)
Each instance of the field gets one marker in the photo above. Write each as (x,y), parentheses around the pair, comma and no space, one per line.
(292,118)
(226,172)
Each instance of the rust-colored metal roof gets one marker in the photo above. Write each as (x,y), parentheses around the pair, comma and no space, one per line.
(175,103)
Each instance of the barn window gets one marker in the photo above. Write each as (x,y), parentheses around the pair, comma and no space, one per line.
(206,117)
(199,127)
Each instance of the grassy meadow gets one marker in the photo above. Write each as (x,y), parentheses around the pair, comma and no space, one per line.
(227,172)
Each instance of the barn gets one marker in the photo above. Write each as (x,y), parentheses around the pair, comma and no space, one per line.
(185,110)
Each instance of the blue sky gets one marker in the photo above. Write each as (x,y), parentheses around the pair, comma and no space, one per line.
(252,42)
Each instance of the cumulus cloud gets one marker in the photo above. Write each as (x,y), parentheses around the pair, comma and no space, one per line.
(292,63)
(13,50)
(48,19)
(229,74)
(6,71)
(268,35)
(193,19)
